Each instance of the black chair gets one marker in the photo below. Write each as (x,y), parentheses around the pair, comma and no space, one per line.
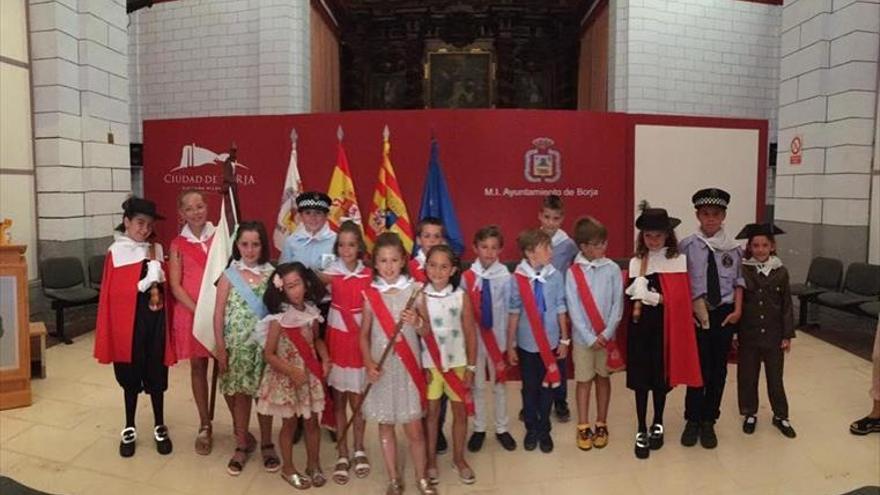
(862,285)
(823,275)
(64,284)
(96,271)
(871,309)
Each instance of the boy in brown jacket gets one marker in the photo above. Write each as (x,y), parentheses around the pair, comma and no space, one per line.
(766,327)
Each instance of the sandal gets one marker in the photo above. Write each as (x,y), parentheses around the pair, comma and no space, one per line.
(395,487)
(271,463)
(204,440)
(465,475)
(236,464)
(433,476)
(340,470)
(361,464)
(317,477)
(297,480)
(426,488)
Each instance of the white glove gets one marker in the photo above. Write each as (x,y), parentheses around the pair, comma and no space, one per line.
(637,289)
(650,298)
(154,275)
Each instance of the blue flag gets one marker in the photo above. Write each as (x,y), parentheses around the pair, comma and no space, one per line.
(436,201)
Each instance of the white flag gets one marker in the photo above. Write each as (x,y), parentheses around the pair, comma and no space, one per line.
(287,214)
(218,256)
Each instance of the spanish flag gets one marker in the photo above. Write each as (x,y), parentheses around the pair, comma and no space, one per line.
(344,201)
(388,212)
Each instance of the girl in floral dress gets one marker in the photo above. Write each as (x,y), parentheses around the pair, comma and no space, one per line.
(292,385)
(238,309)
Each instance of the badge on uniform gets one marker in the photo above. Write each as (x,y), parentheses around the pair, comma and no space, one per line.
(326,260)
(727,260)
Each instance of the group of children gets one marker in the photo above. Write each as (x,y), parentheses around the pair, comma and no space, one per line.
(336,335)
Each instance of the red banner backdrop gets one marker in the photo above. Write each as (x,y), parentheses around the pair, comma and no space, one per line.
(499,164)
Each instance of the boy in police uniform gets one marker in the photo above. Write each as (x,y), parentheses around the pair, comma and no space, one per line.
(714,261)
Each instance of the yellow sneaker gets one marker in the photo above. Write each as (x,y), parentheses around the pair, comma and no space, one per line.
(601,438)
(584,437)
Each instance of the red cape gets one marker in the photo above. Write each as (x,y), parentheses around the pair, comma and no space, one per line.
(679,338)
(114,329)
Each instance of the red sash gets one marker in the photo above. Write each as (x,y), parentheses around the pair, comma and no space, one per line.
(613,358)
(552,378)
(487,334)
(313,366)
(403,350)
(455,383)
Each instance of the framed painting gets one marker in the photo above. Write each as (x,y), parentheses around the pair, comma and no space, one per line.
(459,79)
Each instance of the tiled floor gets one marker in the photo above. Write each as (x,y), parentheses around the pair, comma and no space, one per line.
(66,443)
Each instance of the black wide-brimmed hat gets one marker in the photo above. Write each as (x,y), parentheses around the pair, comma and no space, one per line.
(753,229)
(140,206)
(656,219)
(711,197)
(313,200)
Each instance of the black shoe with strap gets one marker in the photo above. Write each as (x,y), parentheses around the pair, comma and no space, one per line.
(163,441)
(655,437)
(749,424)
(128,443)
(784,426)
(642,448)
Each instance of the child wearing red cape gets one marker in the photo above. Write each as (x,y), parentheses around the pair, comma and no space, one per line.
(131,331)
(661,346)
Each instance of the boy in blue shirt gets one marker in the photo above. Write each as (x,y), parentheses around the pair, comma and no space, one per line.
(538,340)
(564,250)
(312,242)
(714,263)
(595,309)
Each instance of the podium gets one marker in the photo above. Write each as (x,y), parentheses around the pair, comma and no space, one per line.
(15,353)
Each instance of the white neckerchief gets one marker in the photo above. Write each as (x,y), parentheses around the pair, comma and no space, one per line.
(772,263)
(290,318)
(382,286)
(258,270)
(421,258)
(495,270)
(580,259)
(431,291)
(658,263)
(718,242)
(337,267)
(526,269)
(207,232)
(558,237)
(304,237)
(127,251)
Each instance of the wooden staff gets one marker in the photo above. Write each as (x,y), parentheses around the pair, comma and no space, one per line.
(637,306)
(398,328)
(229,191)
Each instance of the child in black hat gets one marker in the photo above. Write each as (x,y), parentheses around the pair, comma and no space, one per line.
(714,267)
(766,328)
(312,242)
(661,347)
(130,328)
